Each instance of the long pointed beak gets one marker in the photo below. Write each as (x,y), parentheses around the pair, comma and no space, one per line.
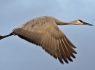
(84,23)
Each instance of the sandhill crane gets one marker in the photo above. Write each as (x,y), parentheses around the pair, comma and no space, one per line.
(43,31)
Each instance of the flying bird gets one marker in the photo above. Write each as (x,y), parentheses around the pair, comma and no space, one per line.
(43,31)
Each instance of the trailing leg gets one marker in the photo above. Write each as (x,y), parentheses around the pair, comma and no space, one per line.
(1,37)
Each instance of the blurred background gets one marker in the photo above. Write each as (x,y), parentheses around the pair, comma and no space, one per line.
(18,54)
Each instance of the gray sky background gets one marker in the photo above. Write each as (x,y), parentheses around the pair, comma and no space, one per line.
(17,54)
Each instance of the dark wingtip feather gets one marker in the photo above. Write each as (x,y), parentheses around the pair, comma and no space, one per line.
(61,61)
(73,56)
(75,52)
(70,59)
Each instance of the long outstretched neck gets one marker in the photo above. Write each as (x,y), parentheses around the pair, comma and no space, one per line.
(2,37)
(65,23)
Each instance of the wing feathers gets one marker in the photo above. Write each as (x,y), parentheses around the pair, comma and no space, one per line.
(62,50)
(51,39)
(66,50)
(69,50)
(69,42)
(59,52)
(70,46)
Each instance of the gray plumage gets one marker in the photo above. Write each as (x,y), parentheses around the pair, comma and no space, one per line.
(43,31)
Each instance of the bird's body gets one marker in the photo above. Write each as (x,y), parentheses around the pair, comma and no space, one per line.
(44,31)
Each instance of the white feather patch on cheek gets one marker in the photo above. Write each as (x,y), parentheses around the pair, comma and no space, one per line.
(78,22)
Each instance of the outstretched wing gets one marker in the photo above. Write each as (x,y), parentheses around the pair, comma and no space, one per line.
(49,37)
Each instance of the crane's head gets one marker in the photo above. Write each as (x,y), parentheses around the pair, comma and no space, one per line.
(80,22)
